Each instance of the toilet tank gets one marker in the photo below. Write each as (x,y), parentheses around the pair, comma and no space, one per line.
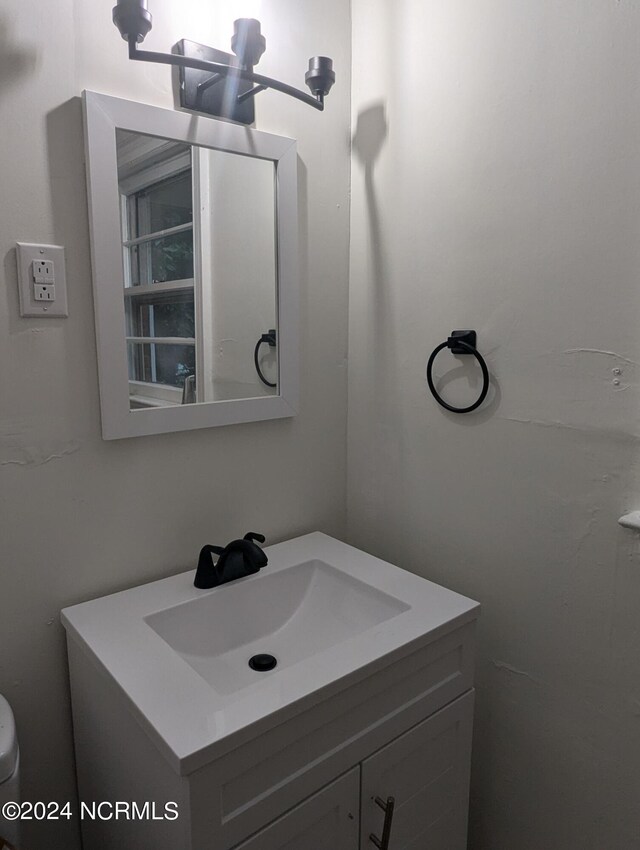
(9,771)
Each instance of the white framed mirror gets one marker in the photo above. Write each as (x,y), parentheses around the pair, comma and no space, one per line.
(195,269)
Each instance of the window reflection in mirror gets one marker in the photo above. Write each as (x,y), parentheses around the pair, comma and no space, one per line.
(198,240)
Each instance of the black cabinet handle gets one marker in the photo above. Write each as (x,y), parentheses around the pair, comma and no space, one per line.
(387,808)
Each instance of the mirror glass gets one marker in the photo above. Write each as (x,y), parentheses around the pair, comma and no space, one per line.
(198,234)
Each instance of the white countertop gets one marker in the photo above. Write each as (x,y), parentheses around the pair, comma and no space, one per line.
(187,719)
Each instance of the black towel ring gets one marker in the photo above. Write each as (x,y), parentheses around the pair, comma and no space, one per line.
(270,339)
(460,342)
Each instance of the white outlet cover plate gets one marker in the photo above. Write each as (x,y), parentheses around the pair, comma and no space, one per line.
(26,253)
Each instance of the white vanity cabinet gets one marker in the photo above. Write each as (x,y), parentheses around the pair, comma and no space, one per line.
(307,784)
(326,821)
(426,770)
(294,759)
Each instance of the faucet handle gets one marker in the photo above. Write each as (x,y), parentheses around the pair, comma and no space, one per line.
(252,535)
(253,552)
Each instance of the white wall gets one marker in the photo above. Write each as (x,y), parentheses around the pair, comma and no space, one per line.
(80,517)
(496,185)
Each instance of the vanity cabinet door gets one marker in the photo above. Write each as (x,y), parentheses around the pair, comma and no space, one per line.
(426,770)
(326,821)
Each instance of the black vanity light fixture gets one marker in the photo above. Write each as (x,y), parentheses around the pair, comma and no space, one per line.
(203,68)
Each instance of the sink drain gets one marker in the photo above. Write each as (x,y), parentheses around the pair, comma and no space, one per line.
(262,662)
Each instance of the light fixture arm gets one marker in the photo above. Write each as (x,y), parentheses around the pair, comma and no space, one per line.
(224,71)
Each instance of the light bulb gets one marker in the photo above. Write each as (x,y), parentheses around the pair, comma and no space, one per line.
(211,23)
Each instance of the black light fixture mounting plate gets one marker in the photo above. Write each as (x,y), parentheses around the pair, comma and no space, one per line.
(220,97)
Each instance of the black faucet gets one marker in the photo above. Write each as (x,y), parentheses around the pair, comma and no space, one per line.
(239,558)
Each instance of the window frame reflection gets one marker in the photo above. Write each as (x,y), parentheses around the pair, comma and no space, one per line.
(160,167)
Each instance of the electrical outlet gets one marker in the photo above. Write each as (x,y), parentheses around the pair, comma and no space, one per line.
(44,292)
(42,282)
(43,272)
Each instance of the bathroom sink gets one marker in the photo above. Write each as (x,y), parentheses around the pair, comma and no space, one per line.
(329,614)
(292,614)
